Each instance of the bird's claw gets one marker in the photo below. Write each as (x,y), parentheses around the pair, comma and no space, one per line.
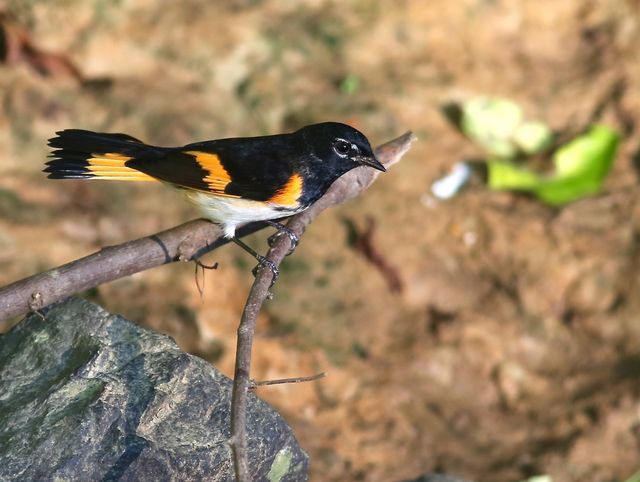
(267,263)
(283,230)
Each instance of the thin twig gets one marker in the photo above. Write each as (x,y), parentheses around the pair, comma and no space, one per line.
(347,187)
(253,384)
(201,267)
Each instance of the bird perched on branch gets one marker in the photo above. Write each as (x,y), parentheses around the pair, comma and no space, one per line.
(233,181)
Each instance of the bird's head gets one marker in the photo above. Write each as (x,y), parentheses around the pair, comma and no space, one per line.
(340,145)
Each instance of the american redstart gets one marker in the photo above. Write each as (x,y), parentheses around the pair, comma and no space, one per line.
(233,181)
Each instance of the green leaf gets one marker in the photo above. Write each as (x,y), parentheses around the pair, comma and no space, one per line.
(492,122)
(581,166)
(507,175)
(280,465)
(580,169)
(350,84)
(533,137)
(539,478)
(634,478)
(590,153)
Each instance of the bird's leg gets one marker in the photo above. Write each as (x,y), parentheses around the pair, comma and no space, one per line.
(282,229)
(262,261)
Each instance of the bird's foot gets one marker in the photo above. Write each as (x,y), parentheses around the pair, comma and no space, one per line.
(283,230)
(267,263)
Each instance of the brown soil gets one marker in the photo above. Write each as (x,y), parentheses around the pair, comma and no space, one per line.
(514,347)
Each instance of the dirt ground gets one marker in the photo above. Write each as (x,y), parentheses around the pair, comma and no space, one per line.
(513,345)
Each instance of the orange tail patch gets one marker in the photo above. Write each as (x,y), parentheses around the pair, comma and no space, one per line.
(111,165)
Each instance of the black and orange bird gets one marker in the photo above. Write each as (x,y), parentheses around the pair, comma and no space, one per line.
(232,181)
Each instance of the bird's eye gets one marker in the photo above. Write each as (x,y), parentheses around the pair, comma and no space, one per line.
(344,148)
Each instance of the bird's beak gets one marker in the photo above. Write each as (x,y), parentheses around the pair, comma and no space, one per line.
(371,161)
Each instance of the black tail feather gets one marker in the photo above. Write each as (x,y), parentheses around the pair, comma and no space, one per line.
(81,140)
(81,154)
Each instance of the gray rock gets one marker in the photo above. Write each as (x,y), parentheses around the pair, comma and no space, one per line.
(86,395)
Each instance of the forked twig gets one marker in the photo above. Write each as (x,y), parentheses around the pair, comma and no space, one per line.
(347,187)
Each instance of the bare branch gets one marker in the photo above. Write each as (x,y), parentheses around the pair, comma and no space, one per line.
(182,243)
(281,381)
(346,187)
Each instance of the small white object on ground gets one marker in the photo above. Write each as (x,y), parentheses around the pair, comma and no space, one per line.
(449,185)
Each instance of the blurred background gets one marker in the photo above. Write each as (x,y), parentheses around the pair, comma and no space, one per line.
(489,336)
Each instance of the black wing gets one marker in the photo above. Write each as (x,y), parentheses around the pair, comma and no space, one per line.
(256,168)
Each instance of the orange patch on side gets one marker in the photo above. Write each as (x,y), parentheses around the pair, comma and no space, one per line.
(218,177)
(288,195)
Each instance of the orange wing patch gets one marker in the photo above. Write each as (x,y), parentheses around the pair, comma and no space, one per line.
(288,194)
(218,177)
(111,165)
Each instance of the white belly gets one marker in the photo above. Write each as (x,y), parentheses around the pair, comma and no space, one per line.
(230,212)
